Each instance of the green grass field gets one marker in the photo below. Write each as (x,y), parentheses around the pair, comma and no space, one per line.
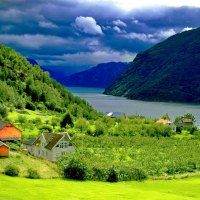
(45,168)
(23,189)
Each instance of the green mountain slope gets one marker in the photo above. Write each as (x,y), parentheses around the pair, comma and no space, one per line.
(169,71)
(25,86)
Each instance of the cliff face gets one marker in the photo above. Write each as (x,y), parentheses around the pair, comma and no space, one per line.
(169,71)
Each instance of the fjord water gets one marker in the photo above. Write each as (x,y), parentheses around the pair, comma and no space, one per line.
(108,103)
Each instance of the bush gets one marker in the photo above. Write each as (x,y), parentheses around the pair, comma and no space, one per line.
(76,169)
(33,174)
(3,111)
(11,170)
(112,176)
(46,129)
(99,174)
(138,174)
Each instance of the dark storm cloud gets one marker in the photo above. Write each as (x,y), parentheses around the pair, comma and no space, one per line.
(77,32)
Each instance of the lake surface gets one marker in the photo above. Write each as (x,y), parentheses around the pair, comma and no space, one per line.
(108,103)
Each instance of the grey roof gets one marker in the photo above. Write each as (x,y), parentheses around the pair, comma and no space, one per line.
(2,123)
(3,144)
(51,138)
(30,142)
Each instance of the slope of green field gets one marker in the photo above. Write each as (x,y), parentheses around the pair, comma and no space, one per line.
(23,189)
(45,168)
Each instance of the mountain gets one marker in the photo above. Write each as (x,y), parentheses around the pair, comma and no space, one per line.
(26,86)
(60,72)
(32,61)
(100,76)
(169,71)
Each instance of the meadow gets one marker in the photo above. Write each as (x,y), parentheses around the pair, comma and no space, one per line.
(23,189)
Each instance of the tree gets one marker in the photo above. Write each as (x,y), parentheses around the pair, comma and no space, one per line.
(190,116)
(66,120)
(3,111)
(166,116)
(54,122)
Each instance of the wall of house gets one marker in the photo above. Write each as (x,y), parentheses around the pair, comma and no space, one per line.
(9,131)
(4,151)
(51,155)
(56,152)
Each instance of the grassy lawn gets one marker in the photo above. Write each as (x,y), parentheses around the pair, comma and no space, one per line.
(23,189)
(45,168)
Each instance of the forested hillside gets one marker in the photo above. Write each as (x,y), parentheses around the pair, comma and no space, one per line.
(169,71)
(27,86)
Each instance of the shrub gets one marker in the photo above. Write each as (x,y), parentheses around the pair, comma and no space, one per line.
(99,174)
(76,169)
(11,170)
(112,176)
(33,174)
(138,174)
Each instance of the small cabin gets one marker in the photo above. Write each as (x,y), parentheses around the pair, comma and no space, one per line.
(8,132)
(4,150)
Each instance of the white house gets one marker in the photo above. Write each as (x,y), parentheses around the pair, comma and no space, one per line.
(50,145)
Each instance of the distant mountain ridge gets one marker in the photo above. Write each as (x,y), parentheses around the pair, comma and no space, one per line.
(99,76)
(32,61)
(169,71)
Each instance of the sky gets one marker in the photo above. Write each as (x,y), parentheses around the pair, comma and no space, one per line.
(78,34)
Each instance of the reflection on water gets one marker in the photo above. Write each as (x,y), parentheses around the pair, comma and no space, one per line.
(107,103)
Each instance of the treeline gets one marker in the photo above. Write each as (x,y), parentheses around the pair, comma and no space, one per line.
(27,86)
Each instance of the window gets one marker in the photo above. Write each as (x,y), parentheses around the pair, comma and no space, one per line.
(64,144)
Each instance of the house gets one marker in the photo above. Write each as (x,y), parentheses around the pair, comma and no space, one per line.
(4,150)
(166,122)
(185,122)
(115,114)
(8,132)
(50,145)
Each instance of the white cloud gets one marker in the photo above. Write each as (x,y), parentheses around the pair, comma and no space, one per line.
(140,36)
(117,29)
(166,33)
(11,14)
(130,5)
(187,29)
(151,38)
(119,23)
(32,41)
(135,21)
(92,58)
(46,24)
(88,25)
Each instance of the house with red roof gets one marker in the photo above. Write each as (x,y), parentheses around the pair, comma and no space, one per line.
(8,132)
(4,150)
